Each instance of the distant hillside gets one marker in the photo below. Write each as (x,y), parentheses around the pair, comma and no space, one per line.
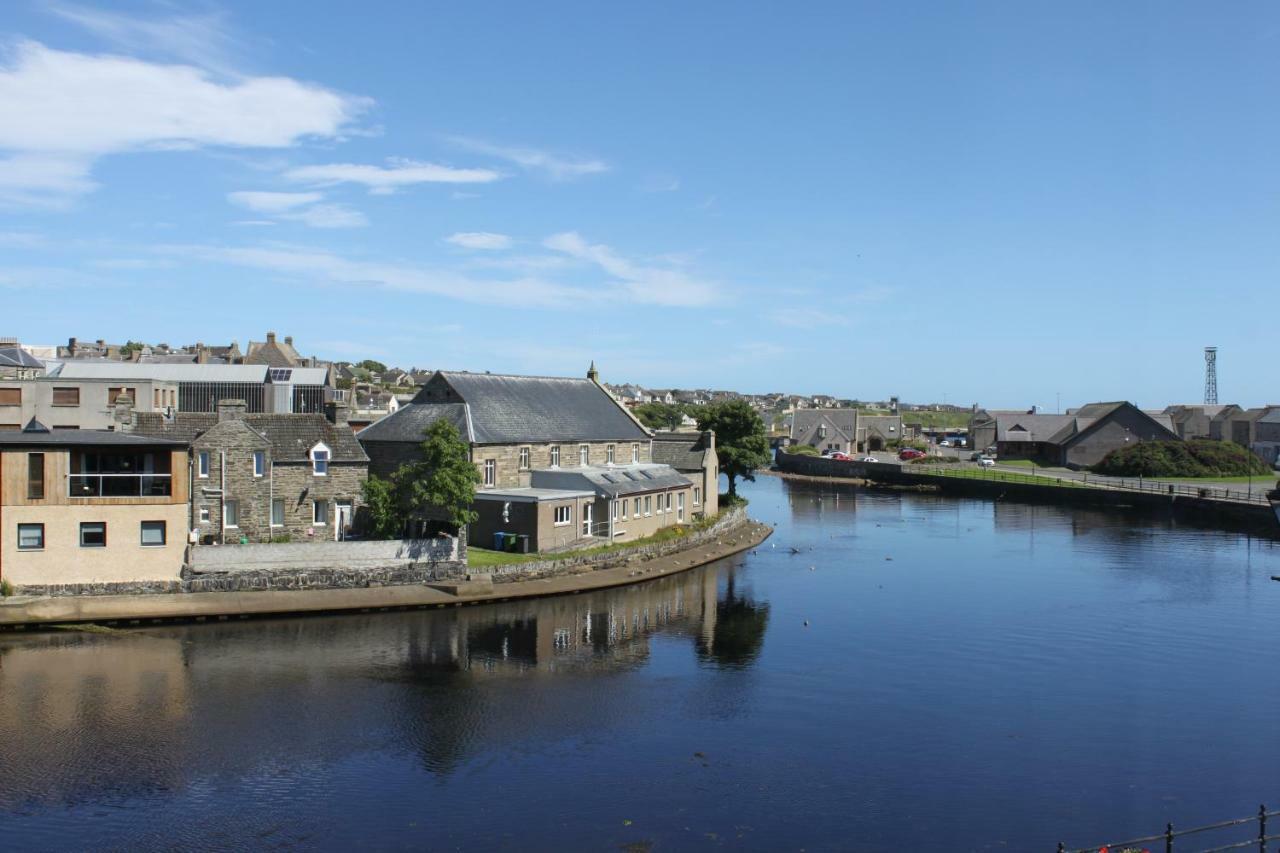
(1195,458)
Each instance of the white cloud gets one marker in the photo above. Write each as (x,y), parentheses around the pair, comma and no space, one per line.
(22,240)
(479,240)
(316,265)
(659,184)
(270,202)
(382,180)
(806,318)
(557,167)
(656,285)
(202,40)
(76,107)
(299,207)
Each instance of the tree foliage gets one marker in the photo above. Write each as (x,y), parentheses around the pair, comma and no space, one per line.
(665,415)
(441,484)
(741,444)
(372,366)
(1199,457)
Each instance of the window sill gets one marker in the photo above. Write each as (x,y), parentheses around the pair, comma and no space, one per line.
(30,550)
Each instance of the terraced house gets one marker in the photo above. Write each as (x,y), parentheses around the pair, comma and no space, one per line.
(264,477)
(79,507)
(561,462)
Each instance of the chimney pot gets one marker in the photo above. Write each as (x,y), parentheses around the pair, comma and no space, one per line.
(271,337)
(288,339)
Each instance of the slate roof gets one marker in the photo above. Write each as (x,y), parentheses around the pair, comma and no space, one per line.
(273,353)
(503,409)
(18,357)
(291,435)
(683,451)
(610,482)
(35,434)
(843,421)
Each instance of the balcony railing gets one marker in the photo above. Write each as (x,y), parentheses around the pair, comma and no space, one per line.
(119,485)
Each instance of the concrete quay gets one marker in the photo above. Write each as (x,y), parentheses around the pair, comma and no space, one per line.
(21,612)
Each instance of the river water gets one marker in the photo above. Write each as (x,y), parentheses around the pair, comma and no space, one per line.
(891,671)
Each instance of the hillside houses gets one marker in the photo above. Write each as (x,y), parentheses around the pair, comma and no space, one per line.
(1078,439)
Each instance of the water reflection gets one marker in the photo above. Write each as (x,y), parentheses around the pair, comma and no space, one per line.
(116,715)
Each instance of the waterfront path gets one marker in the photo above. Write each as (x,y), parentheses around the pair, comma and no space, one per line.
(23,610)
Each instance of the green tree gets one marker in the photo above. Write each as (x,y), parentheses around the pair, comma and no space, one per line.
(386,518)
(374,366)
(443,481)
(658,415)
(741,445)
(130,347)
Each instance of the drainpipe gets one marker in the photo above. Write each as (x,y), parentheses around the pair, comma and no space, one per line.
(222,494)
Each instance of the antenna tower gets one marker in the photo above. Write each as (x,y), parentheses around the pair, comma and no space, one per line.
(1211,376)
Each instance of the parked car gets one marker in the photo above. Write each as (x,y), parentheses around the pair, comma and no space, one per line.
(991,451)
(868,459)
(975,456)
(986,461)
(946,442)
(843,457)
(908,453)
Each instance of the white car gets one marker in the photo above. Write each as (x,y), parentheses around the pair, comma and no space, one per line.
(946,442)
(868,459)
(986,461)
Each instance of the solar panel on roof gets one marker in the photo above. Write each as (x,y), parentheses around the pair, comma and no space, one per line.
(280,374)
(608,478)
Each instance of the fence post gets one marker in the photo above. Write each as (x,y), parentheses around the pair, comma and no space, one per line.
(1168,838)
(1262,829)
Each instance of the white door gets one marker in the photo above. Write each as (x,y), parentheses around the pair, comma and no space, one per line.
(345,517)
(586,519)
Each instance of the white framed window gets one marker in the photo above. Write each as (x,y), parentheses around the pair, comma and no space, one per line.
(697,495)
(637,509)
(613,505)
(30,537)
(648,505)
(524,458)
(490,473)
(277,513)
(259,463)
(668,502)
(204,515)
(586,519)
(555,456)
(202,463)
(584,454)
(320,460)
(624,507)
(564,515)
(320,513)
(231,514)
(152,534)
(608,454)
(635,453)
(680,507)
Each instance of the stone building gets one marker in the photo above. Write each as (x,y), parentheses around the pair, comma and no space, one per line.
(264,477)
(694,456)
(558,458)
(1078,439)
(844,430)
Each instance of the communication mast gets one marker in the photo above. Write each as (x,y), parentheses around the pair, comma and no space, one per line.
(1211,376)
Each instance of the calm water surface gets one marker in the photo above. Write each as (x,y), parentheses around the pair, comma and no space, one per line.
(924,674)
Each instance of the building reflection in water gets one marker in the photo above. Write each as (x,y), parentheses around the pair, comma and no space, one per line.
(108,715)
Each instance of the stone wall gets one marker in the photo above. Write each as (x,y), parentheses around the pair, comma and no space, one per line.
(385,457)
(727,521)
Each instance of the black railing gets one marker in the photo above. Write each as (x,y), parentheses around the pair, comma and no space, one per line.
(119,485)
(1167,838)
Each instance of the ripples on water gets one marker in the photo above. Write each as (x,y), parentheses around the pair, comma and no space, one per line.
(972,676)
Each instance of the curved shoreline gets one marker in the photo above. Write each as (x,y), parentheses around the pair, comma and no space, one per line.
(151,609)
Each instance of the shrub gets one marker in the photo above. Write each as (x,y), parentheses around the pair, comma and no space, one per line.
(933,460)
(6,589)
(802,450)
(728,501)
(1196,458)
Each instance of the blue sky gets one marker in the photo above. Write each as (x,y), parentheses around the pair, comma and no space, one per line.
(1007,203)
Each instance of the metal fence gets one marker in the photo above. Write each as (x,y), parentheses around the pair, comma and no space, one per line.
(1169,836)
(1256,496)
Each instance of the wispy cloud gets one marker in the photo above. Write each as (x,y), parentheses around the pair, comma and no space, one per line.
(659,184)
(202,39)
(22,240)
(656,285)
(382,180)
(77,107)
(479,240)
(806,318)
(299,207)
(557,167)
(132,263)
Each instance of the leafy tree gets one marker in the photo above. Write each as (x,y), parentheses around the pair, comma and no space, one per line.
(659,415)
(131,346)
(373,366)
(443,481)
(385,517)
(741,445)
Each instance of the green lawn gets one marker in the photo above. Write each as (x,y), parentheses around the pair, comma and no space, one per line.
(998,476)
(480,558)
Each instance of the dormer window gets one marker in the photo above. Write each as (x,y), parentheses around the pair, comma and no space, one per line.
(320,460)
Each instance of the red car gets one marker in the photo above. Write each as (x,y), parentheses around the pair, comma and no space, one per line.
(908,453)
(843,457)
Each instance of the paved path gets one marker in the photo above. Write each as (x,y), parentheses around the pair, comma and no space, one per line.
(31,610)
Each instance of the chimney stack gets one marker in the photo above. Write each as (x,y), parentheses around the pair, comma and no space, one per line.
(338,413)
(123,415)
(231,410)
(271,337)
(288,339)
(592,373)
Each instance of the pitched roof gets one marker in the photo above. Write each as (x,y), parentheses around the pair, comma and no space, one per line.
(291,435)
(502,409)
(45,437)
(843,421)
(272,353)
(18,357)
(684,451)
